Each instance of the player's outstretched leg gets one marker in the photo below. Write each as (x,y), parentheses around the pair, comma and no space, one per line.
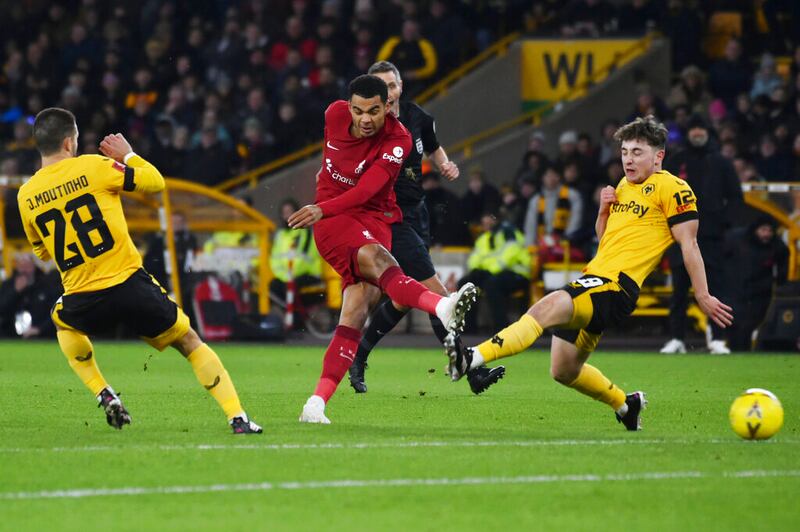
(338,357)
(384,320)
(479,378)
(212,375)
(568,367)
(80,355)
(407,292)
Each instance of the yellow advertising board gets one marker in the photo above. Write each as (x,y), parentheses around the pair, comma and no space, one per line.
(552,69)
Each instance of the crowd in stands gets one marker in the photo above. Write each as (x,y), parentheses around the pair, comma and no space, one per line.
(208,89)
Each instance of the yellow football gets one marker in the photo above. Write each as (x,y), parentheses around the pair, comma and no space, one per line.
(757,414)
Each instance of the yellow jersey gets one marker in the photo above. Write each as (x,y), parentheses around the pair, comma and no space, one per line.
(72,212)
(638,227)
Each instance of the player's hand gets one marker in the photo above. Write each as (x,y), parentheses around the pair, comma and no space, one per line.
(305,217)
(449,170)
(715,309)
(116,147)
(608,196)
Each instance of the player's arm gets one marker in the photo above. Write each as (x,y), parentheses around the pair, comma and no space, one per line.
(608,197)
(138,174)
(374,179)
(33,236)
(685,234)
(430,144)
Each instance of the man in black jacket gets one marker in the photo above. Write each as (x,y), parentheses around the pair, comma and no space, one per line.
(26,299)
(761,260)
(719,195)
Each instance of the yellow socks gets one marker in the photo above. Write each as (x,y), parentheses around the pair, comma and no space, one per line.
(597,386)
(512,340)
(212,375)
(78,350)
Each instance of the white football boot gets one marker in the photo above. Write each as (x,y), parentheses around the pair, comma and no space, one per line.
(718,347)
(452,310)
(674,346)
(314,411)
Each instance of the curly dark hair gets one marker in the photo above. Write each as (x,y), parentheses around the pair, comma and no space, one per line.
(648,129)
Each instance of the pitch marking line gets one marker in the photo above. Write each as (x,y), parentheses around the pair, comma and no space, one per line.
(388,483)
(386,445)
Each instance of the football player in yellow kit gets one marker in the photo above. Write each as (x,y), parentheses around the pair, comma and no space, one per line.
(72,212)
(648,210)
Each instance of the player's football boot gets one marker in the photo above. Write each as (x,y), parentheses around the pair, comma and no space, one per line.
(636,402)
(116,414)
(242,425)
(459,356)
(357,374)
(455,307)
(718,347)
(483,377)
(314,411)
(673,346)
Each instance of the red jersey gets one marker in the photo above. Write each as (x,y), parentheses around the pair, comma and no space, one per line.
(347,161)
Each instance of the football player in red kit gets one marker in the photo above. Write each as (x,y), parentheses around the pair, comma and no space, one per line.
(365,147)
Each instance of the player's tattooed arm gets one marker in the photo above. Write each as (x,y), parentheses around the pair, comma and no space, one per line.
(685,233)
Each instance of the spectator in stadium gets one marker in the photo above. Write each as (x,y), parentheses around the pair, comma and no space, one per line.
(533,165)
(295,246)
(731,75)
(500,265)
(210,162)
(637,17)
(766,79)
(554,213)
(771,163)
(26,299)
(608,147)
(761,260)
(162,151)
(447,225)
(186,248)
(690,91)
(515,201)
(22,148)
(587,18)
(719,198)
(446,31)
(413,55)
(253,149)
(480,197)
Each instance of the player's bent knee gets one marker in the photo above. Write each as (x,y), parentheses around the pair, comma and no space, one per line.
(187,343)
(564,374)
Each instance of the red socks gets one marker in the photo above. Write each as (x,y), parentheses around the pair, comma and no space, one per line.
(407,292)
(338,358)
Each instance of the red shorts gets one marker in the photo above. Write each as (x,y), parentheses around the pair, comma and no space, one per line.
(339,238)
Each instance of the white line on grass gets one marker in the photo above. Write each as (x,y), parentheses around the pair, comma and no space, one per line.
(388,483)
(386,445)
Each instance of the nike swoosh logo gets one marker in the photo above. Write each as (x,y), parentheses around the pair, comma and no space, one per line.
(331,146)
(83,358)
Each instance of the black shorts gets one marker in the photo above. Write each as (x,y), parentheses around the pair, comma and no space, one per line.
(410,241)
(139,303)
(599,303)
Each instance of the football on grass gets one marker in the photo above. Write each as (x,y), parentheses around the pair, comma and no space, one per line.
(757,414)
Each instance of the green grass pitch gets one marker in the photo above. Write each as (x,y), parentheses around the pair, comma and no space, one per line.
(415,453)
